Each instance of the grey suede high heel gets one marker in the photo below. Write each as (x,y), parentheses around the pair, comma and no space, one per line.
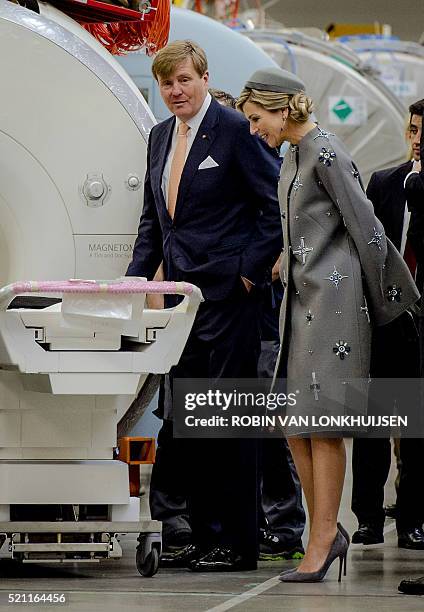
(338,550)
(343,532)
(346,536)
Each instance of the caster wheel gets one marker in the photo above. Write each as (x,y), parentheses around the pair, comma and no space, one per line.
(149,566)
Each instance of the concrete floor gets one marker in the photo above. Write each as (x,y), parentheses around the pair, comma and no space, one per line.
(371,583)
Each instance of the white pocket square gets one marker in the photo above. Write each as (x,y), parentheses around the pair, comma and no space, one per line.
(208,163)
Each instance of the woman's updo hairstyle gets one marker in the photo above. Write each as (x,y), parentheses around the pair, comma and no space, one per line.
(276,89)
(301,106)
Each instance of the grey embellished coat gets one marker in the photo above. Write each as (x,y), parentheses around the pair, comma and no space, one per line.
(340,272)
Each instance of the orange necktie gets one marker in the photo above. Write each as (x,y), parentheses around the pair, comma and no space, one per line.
(177,167)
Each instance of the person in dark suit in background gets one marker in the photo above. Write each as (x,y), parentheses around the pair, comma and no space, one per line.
(402,225)
(223,97)
(414,187)
(211,214)
(281,493)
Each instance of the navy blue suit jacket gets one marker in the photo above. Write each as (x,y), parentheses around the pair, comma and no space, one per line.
(388,195)
(386,192)
(415,195)
(226,223)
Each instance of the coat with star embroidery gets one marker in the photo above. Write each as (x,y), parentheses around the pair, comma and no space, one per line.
(341,275)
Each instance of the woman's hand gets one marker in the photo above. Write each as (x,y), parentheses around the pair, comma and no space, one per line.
(276,270)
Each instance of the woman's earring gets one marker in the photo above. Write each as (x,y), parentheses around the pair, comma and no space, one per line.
(284,123)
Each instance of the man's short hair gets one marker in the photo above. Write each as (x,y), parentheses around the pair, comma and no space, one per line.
(174,54)
(223,97)
(417,108)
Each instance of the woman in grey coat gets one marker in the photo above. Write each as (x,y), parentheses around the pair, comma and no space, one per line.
(341,276)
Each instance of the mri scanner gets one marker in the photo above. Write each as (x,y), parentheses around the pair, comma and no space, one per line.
(367,116)
(73,134)
(350,99)
(232,58)
(399,63)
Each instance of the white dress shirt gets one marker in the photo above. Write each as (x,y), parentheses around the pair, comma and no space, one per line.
(407,215)
(194,124)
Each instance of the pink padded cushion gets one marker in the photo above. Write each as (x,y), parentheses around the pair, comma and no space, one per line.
(86,286)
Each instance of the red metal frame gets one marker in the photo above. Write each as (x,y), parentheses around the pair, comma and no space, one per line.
(93,11)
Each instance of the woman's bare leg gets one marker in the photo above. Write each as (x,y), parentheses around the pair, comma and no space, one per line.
(301,451)
(328,469)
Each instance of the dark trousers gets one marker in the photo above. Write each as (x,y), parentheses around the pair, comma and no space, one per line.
(281,493)
(421,335)
(394,355)
(371,464)
(410,499)
(169,486)
(371,459)
(218,476)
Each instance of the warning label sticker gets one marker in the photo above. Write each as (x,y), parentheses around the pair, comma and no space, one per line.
(347,110)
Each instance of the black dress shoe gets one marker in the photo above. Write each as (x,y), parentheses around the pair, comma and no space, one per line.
(176,539)
(412,587)
(390,511)
(411,538)
(368,534)
(221,560)
(180,557)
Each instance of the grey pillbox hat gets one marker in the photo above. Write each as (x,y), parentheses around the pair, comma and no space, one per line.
(275,79)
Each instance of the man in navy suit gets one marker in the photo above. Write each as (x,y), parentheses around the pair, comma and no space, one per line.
(414,187)
(403,224)
(216,224)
